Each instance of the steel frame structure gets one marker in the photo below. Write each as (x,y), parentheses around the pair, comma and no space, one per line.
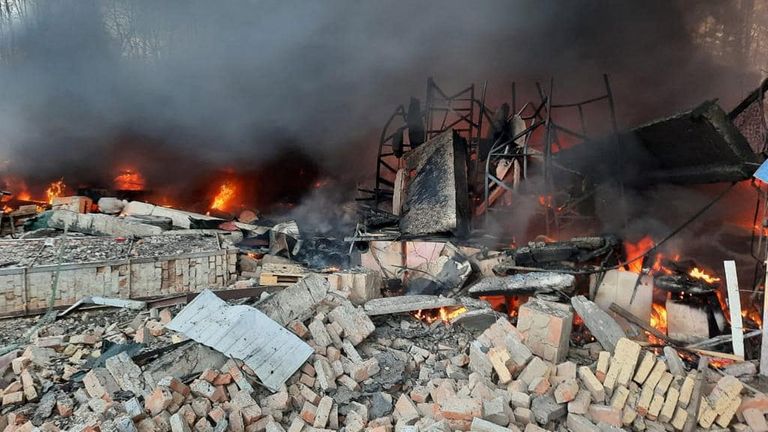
(537,115)
(465,113)
(460,111)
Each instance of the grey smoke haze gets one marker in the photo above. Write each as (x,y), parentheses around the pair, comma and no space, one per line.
(232,83)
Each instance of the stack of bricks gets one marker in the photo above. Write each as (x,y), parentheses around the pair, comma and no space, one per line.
(640,391)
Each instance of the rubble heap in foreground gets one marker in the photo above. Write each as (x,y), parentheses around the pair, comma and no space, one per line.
(392,375)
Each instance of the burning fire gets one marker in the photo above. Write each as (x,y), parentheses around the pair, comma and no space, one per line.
(445,314)
(659,318)
(129,180)
(751,314)
(633,251)
(224,197)
(55,190)
(697,273)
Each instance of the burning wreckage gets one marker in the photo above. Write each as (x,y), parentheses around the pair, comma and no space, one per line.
(425,318)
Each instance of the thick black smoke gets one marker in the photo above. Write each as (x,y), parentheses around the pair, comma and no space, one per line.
(229,83)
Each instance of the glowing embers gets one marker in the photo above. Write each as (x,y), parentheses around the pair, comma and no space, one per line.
(443,314)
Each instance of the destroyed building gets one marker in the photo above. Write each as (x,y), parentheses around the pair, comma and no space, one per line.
(135,316)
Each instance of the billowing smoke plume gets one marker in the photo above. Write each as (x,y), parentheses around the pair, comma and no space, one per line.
(184,87)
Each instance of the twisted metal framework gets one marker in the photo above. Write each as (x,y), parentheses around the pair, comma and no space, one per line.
(506,163)
(513,154)
(460,111)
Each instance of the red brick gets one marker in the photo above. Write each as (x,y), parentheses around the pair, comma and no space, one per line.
(308,413)
(457,408)
(65,407)
(175,384)
(251,414)
(158,400)
(209,375)
(298,328)
(217,414)
(605,413)
(223,379)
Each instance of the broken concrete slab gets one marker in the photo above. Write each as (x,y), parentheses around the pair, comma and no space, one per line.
(296,302)
(188,359)
(436,192)
(600,324)
(100,224)
(523,283)
(180,218)
(442,275)
(403,304)
(244,333)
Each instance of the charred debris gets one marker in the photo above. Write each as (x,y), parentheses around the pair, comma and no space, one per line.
(427,316)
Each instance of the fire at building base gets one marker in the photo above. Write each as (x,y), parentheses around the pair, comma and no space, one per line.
(426,315)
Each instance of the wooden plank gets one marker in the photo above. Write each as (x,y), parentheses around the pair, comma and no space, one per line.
(734,306)
(764,347)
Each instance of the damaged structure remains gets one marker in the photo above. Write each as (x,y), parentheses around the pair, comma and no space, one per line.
(427,317)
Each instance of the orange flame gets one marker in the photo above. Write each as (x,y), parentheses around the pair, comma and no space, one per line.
(697,273)
(659,318)
(753,315)
(55,190)
(129,180)
(223,198)
(634,250)
(17,187)
(444,314)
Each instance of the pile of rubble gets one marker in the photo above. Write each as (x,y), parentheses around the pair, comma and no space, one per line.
(359,373)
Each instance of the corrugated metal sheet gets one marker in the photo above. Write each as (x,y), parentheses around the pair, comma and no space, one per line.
(244,333)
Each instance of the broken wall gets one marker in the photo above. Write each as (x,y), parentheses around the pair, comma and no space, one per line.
(26,289)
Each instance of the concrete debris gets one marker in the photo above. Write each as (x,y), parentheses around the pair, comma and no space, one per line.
(292,344)
(603,327)
(396,373)
(436,198)
(411,303)
(100,224)
(524,283)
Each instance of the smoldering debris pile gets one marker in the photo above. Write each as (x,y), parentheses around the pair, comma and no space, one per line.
(334,367)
